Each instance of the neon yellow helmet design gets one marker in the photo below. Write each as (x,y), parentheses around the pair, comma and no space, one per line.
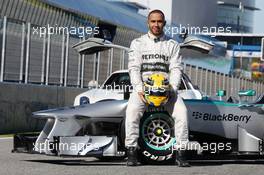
(157,90)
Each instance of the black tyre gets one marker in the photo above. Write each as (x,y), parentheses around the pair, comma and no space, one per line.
(156,138)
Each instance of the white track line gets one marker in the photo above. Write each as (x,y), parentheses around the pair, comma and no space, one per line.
(6,138)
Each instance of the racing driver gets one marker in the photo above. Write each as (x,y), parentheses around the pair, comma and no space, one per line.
(155,53)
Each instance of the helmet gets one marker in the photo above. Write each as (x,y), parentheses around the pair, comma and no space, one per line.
(157,90)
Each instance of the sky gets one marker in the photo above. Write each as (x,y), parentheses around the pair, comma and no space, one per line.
(258,17)
(258,20)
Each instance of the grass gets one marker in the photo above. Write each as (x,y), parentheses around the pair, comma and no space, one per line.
(6,135)
(12,135)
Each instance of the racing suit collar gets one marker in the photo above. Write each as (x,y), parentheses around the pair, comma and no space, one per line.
(155,38)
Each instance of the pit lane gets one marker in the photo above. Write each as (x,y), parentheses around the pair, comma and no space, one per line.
(27,164)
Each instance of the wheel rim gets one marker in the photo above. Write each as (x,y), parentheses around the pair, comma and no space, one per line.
(157,131)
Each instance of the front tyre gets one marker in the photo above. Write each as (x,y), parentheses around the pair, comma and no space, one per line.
(156,138)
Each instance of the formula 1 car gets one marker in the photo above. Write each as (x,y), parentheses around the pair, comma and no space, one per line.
(111,89)
(218,130)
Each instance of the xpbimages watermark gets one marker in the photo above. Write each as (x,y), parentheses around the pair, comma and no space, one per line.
(195,30)
(51,30)
(126,87)
(212,147)
(50,146)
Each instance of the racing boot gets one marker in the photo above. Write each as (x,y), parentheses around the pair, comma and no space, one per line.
(181,160)
(132,156)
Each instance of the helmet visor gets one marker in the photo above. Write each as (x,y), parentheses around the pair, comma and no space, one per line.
(157,92)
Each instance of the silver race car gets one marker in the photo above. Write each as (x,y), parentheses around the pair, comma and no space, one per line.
(112,89)
(218,129)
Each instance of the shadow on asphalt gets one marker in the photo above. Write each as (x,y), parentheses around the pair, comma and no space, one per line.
(235,162)
(81,162)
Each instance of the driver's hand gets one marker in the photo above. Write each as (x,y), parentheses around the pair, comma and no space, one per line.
(141,96)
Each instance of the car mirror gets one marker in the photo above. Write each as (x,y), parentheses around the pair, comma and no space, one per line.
(221,93)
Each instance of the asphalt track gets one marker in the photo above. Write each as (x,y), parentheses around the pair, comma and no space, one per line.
(33,164)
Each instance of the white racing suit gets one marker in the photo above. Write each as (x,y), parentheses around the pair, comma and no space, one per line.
(149,55)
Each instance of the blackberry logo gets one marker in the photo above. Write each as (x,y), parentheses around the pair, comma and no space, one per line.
(220,117)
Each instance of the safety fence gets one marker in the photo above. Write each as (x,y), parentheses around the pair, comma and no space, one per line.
(51,60)
(210,82)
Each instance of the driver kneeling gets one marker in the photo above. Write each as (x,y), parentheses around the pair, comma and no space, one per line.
(155,53)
